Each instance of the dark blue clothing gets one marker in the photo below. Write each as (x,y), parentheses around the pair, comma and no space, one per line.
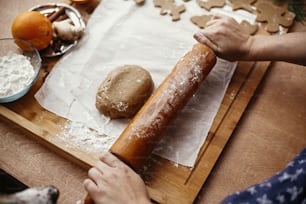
(287,186)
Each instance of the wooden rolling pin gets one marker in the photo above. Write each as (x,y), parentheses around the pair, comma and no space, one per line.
(145,130)
(137,141)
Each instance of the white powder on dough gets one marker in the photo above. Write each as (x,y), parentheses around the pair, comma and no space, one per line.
(87,139)
(16,72)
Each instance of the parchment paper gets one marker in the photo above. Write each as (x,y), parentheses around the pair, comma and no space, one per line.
(120,32)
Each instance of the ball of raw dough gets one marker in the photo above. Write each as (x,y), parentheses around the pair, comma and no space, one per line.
(124,91)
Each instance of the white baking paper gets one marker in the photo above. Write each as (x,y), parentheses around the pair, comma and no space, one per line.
(118,33)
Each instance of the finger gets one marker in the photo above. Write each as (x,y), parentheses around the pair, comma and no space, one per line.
(221,20)
(102,167)
(211,22)
(96,176)
(218,21)
(89,185)
(92,189)
(216,16)
(220,16)
(111,160)
(201,38)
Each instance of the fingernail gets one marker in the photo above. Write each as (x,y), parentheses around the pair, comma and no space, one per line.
(198,35)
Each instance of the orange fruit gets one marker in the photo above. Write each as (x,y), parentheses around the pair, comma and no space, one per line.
(34,27)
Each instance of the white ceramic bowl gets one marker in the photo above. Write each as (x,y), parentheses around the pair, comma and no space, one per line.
(9,46)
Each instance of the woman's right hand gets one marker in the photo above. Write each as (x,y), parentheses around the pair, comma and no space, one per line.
(226,37)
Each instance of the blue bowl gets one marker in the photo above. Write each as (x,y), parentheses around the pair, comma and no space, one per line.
(8,46)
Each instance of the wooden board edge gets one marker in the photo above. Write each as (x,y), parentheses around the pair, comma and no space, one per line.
(45,138)
(226,129)
(197,183)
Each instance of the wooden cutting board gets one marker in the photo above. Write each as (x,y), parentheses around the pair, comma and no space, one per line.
(166,182)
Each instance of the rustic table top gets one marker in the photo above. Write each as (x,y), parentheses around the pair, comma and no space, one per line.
(270,133)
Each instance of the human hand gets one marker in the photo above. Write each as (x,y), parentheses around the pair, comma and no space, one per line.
(113,182)
(226,37)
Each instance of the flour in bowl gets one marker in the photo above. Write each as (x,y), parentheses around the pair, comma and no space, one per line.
(16,72)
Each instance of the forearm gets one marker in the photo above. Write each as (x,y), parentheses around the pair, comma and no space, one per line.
(230,41)
(289,47)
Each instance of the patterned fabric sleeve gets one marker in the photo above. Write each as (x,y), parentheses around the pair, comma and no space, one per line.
(286,187)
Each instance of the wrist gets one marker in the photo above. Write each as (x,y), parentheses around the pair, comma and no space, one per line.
(248,49)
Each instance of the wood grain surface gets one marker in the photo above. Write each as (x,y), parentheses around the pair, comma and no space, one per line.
(270,133)
(166,182)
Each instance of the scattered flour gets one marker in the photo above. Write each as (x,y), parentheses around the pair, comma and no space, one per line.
(16,72)
(85,138)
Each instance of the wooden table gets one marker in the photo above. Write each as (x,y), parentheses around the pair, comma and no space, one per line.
(271,131)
